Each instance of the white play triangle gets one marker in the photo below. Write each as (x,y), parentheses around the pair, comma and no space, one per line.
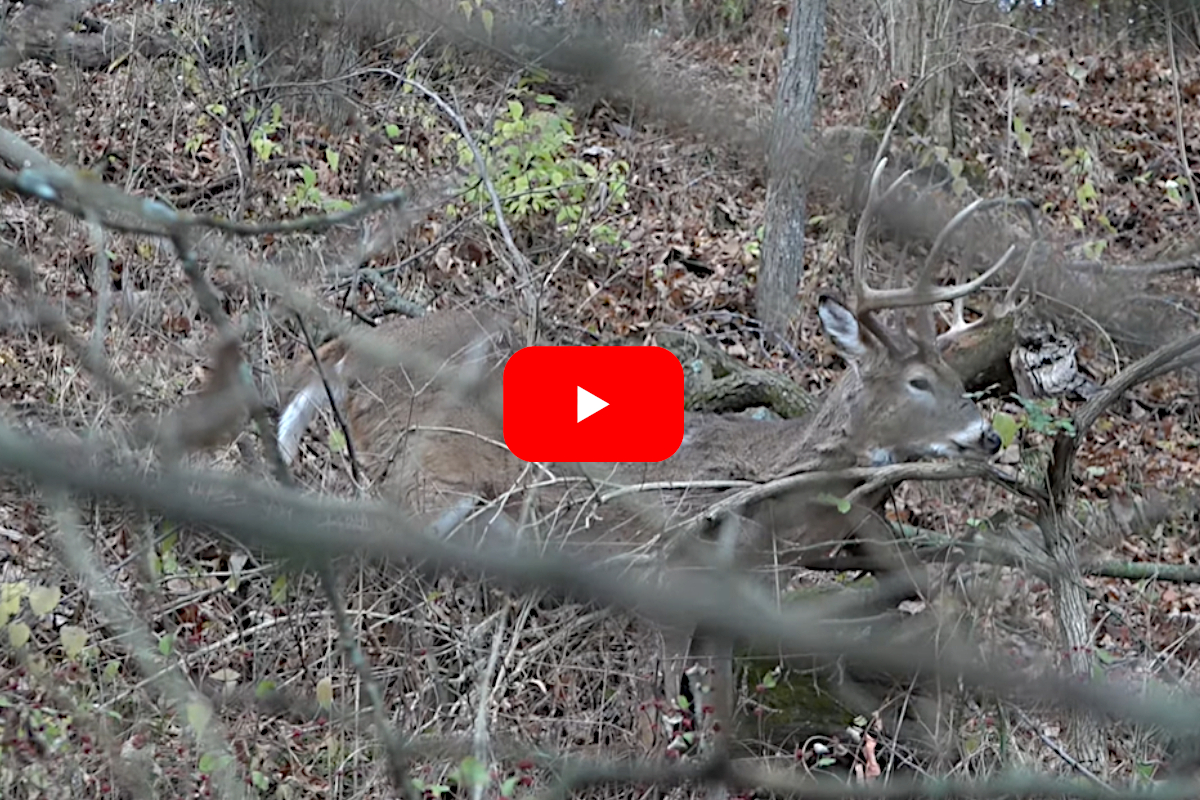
(586,404)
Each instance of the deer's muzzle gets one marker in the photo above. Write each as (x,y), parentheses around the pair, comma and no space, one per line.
(978,440)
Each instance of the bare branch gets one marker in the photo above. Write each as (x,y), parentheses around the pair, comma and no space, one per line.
(1066,445)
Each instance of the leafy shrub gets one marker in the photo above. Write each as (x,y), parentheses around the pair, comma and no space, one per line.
(532,160)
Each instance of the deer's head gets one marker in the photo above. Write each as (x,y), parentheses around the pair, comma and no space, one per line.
(903,400)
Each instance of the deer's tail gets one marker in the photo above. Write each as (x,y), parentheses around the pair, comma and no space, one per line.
(314,389)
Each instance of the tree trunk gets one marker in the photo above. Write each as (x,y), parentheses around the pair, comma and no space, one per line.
(920,33)
(1073,612)
(782,265)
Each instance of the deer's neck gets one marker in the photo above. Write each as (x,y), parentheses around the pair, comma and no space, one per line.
(739,448)
(825,437)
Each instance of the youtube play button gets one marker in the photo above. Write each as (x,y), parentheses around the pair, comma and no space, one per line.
(593,404)
(586,404)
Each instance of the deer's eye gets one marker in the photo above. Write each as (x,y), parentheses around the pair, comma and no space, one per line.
(920,385)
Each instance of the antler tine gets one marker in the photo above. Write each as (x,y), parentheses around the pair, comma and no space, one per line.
(959,327)
(1005,308)
(920,293)
(864,294)
(1009,305)
(956,222)
(858,257)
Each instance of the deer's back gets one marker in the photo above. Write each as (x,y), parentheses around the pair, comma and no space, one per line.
(428,433)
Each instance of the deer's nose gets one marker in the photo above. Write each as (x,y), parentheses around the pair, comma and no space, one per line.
(991,442)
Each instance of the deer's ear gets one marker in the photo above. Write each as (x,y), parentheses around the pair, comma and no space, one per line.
(842,327)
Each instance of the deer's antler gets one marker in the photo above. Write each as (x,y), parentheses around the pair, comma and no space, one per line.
(923,294)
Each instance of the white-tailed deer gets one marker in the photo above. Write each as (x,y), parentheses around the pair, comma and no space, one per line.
(428,434)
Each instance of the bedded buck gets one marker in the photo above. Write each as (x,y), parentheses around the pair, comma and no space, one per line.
(428,434)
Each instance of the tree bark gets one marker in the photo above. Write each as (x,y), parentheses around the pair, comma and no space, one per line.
(1073,613)
(919,32)
(782,265)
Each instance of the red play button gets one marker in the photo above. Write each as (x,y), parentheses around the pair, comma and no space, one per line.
(593,404)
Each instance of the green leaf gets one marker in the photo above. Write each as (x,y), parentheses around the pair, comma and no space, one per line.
(325,693)
(827,761)
(488,20)
(43,599)
(840,503)
(260,781)
(1086,194)
(18,634)
(509,787)
(332,158)
(474,772)
(547,99)
(264,689)
(199,713)
(73,640)
(279,590)
(1094,248)
(1024,137)
(10,599)
(165,644)
(1006,427)
(392,130)
(515,109)
(208,763)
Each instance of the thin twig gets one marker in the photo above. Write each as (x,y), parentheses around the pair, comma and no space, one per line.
(1180,140)
(102,283)
(111,601)
(210,304)
(481,739)
(397,761)
(355,469)
(1059,751)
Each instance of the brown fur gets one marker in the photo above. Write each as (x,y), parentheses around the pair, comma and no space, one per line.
(455,388)
(456,385)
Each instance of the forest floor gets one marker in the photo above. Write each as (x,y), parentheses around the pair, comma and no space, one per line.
(671,234)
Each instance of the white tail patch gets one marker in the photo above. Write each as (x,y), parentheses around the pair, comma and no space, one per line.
(304,406)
